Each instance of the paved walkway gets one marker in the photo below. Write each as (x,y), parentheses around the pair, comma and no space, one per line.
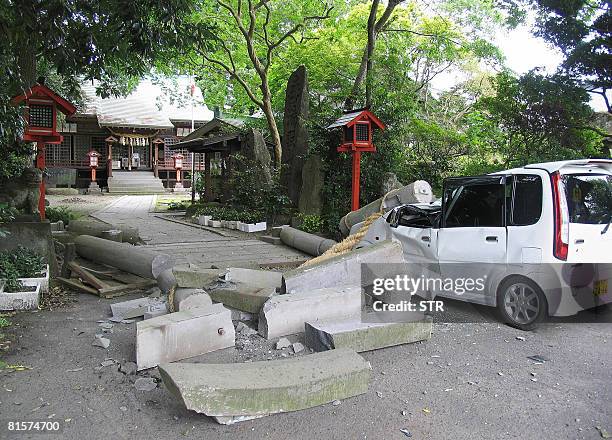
(190,244)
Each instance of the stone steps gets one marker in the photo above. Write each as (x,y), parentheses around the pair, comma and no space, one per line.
(135,182)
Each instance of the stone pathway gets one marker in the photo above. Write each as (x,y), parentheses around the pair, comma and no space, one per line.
(190,244)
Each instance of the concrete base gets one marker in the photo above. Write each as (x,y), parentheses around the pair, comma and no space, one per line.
(94,189)
(363,336)
(234,392)
(286,314)
(242,296)
(183,335)
(343,270)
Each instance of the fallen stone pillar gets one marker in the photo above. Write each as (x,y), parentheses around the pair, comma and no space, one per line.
(417,192)
(235,392)
(365,336)
(286,314)
(310,243)
(254,277)
(134,307)
(97,228)
(182,335)
(241,296)
(342,270)
(132,259)
(195,278)
(187,298)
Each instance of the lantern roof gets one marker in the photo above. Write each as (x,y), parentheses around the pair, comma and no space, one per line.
(41,90)
(351,118)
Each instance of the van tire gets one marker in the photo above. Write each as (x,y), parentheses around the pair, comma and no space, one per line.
(521,303)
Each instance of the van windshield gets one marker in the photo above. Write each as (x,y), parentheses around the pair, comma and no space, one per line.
(589,198)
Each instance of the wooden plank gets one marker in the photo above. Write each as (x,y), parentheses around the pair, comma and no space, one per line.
(76,284)
(69,256)
(86,276)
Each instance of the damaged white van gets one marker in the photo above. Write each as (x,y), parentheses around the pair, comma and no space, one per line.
(540,235)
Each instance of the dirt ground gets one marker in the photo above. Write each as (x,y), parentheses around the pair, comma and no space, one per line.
(472,380)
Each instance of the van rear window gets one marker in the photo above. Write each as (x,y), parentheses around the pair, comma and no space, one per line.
(589,198)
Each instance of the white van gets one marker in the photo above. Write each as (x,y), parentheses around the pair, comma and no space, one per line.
(541,234)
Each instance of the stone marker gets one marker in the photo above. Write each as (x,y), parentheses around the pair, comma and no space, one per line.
(365,336)
(254,277)
(286,314)
(183,335)
(234,392)
(313,177)
(342,270)
(242,296)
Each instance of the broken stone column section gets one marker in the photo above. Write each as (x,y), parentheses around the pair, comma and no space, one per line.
(286,314)
(342,270)
(241,296)
(132,259)
(309,243)
(137,307)
(360,335)
(183,335)
(243,391)
(254,277)
(188,298)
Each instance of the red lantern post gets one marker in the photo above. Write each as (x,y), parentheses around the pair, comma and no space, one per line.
(357,127)
(40,115)
(178,166)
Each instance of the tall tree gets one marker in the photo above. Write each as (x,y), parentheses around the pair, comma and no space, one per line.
(582,30)
(248,38)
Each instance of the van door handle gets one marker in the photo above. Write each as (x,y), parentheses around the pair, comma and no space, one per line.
(492,238)
(579,241)
(425,238)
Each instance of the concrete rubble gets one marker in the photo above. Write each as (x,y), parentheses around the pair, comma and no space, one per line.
(182,335)
(342,270)
(235,392)
(365,336)
(135,307)
(241,296)
(286,314)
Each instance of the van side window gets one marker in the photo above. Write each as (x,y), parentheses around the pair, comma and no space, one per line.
(477,205)
(527,200)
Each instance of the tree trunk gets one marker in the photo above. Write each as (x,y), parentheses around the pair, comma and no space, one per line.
(278,148)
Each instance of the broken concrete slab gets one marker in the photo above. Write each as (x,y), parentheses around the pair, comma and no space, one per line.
(365,336)
(254,277)
(233,391)
(199,298)
(183,335)
(134,307)
(100,341)
(156,310)
(282,343)
(241,296)
(194,277)
(342,270)
(286,314)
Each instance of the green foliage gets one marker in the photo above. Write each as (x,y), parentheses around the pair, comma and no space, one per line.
(4,322)
(179,206)
(311,223)
(229,213)
(21,263)
(252,192)
(7,214)
(57,213)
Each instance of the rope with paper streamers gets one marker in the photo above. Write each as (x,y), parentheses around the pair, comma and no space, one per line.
(138,140)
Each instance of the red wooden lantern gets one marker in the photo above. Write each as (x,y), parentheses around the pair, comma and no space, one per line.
(357,127)
(40,115)
(93,163)
(178,166)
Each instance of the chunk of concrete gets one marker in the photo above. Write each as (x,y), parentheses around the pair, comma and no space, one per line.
(365,336)
(343,270)
(241,296)
(233,392)
(195,278)
(254,277)
(183,301)
(286,314)
(156,310)
(183,335)
(133,308)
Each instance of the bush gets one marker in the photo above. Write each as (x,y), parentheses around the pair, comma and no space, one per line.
(179,206)
(311,223)
(21,263)
(63,213)
(7,214)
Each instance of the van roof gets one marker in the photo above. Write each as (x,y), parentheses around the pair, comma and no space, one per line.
(551,167)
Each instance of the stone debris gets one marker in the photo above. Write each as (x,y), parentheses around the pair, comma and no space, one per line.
(283,343)
(100,341)
(195,277)
(286,314)
(241,296)
(186,298)
(343,270)
(132,308)
(234,392)
(298,347)
(145,384)
(156,310)
(361,336)
(107,363)
(128,368)
(183,335)
(254,277)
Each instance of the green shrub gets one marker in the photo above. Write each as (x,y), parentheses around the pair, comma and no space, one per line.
(311,223)
(179,206)
(63,213)
(21,263)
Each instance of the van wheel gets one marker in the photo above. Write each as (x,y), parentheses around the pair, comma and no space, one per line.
(521,303)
